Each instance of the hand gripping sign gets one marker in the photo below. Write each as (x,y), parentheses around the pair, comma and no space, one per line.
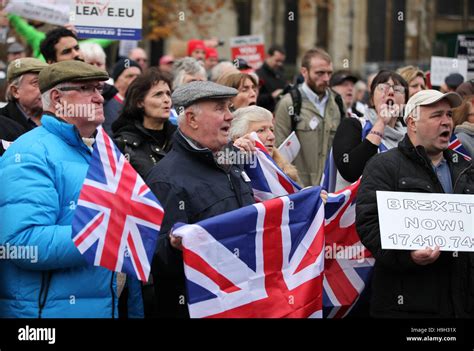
(414,221)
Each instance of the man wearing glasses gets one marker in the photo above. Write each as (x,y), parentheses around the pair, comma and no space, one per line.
(318,119)
(42,175)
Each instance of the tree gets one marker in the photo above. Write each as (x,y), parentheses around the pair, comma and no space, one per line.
(165,17)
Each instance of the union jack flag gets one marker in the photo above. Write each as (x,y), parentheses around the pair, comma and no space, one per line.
(348,264)
(117,220)
(267,179)
(260,261)
(455,145)
(330,173)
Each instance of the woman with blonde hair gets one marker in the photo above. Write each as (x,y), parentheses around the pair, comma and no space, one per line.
(257,119)
(415,78)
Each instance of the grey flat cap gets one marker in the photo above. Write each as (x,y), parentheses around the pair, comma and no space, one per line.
(190,93)
(15,48)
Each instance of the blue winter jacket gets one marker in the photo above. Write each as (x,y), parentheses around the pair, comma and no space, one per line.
(41,176)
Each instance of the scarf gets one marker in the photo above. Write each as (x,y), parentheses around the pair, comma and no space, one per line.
(392,136)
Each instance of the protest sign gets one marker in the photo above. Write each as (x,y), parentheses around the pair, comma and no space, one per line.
(108,19)
(465,50)
(50,11)
(414,221)
(251,48)
(441,67)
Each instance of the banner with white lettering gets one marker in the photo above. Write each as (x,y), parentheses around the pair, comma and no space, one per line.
(108,19)
(251,48)
(465,51)
(414,221)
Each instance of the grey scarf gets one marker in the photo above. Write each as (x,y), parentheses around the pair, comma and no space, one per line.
(392,136)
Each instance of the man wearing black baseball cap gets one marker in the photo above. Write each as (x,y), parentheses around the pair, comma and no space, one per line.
(124,73)
(342,82)
(195,175)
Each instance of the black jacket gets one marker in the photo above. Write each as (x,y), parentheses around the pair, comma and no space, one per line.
(350,151)
(9,131)
(400,287)
(142,149)
(12,112)
(191,187)
(270,81)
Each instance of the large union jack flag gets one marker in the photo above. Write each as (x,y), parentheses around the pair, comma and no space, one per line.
(260,261)
(348,264)
(117,220)
(267,179)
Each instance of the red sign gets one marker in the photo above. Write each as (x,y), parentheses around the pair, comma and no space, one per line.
(250,48)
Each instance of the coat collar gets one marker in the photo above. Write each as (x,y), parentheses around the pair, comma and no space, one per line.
(418,154)
(67,132)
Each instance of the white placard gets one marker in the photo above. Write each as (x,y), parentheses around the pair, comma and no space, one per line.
(441,67)
(50,11)
(290,147)
(414,221)
(109,19)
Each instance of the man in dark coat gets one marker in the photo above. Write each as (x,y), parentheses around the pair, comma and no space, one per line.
(9,130)
(24,98)
(193,183)
(420,283)
(271,78)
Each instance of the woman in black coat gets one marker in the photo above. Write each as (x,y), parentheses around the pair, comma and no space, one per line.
(381,129)
(142,131)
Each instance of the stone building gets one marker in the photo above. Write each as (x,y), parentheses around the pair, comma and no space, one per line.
(361,35)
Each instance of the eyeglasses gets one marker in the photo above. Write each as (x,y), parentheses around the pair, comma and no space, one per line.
(85,89)
(398,89)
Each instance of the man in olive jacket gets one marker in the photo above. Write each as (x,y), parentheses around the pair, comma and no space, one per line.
(318,119)
(418,283)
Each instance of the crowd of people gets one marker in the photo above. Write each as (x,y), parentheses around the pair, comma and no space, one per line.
(173,119)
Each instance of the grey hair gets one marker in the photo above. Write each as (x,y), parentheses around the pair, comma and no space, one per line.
(196,108)
(15,82)
(222,67)
(92,51)
(244,116)
(187,65)
(46,96)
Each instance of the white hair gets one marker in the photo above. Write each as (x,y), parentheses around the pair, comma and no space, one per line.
(46,96)
(196,108)
(15,83)
(187,65)
(221,69)
(92,51)
(244,116)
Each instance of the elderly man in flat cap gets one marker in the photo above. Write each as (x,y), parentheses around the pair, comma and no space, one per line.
(193,183)
(23,94)
(42,175)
